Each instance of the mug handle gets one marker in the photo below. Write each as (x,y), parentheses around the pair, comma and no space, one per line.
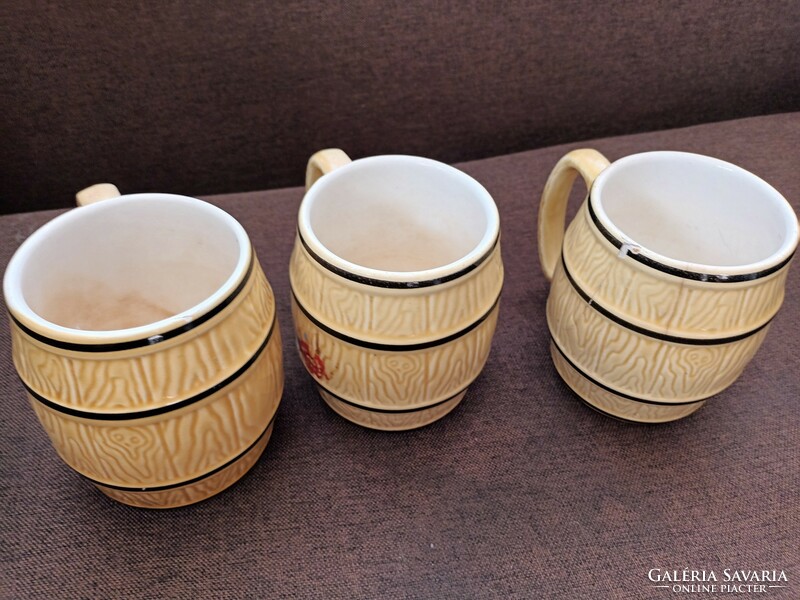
(96,193)
(324,162)
(553,205)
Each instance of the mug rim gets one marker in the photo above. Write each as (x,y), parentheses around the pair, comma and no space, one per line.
(119,339)
(689,269)
(389,278)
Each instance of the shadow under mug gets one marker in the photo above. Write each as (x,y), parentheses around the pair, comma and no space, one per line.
(145,333)
(396,276)
(665,283)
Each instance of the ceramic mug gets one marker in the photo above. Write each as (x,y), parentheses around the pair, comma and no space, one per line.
(665,283)
(145,333)
(396,275)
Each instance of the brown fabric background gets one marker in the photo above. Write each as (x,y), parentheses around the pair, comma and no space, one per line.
(521,492)
(206,97)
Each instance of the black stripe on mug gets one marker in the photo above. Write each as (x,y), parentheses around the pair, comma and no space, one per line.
(616,417)
(154,339)
(383,283)
(390,410)
(693,275)
(612,390)
(664,337)
(143,414)
(197,479)
(394,347)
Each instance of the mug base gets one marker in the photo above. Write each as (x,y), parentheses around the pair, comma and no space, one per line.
(613,405)
(390,420)
(191,493)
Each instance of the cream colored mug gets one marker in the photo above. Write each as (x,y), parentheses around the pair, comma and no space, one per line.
(396,277)
(666,281)
(145,333)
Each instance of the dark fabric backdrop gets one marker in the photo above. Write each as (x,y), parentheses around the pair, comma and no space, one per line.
(209,97)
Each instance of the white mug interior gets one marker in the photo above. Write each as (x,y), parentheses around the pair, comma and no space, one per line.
(135,264)
(695,212)
(399,218)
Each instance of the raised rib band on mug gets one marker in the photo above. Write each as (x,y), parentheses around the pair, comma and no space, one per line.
(655,334)
(197,479)
(693,275)
(383,283)
(394,347)
(153,339)
(616,417)
(612,390)
(142,414)
(390,410)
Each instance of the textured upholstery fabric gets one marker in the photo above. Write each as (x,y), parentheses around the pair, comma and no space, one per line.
(521,492)
(210,97)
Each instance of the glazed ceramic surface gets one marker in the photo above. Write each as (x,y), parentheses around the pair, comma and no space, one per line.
(665,283)
(396,276)
(165,411)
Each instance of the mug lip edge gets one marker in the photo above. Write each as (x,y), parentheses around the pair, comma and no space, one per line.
(484,246)
(21,311)
(777,259)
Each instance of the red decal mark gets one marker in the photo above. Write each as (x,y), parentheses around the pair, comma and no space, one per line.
(314,363)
